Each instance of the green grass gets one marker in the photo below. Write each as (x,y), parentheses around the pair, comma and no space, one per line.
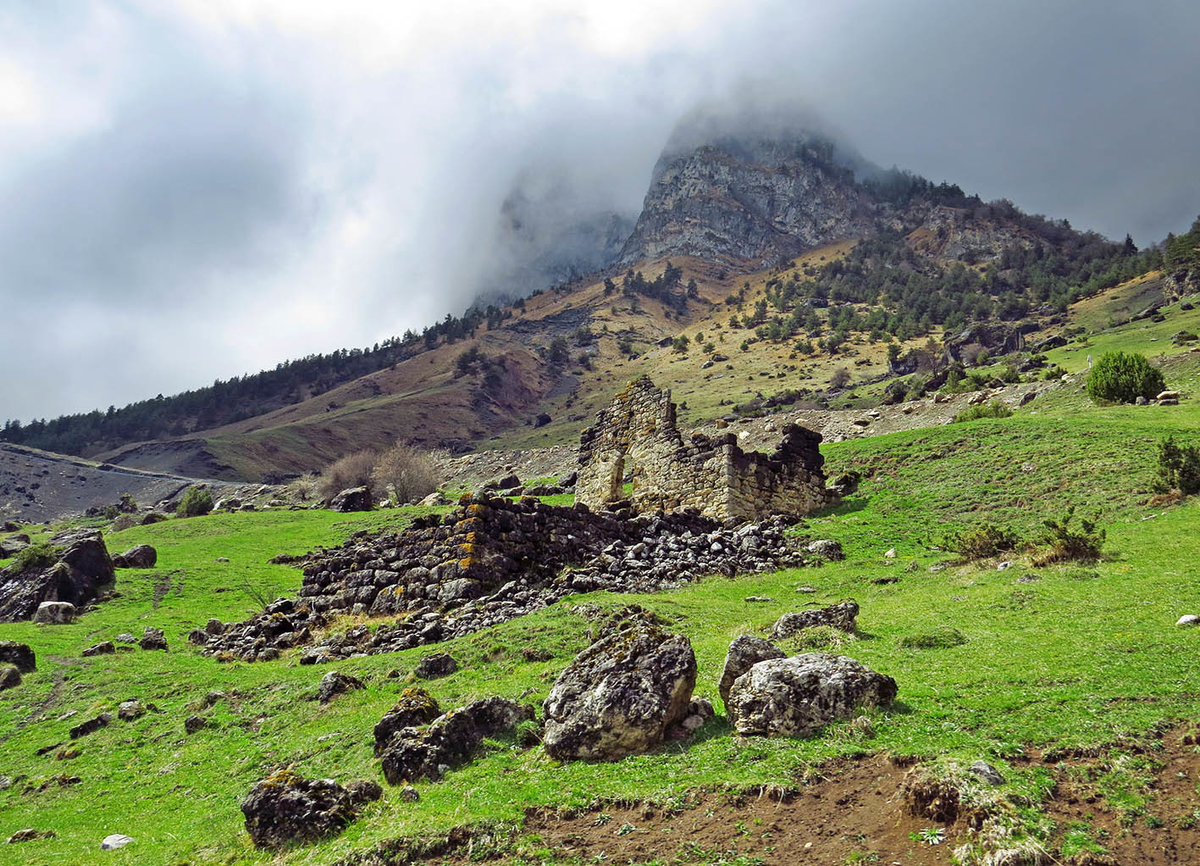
(1062,661)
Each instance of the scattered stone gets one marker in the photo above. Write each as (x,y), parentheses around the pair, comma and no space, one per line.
(797,696)
(620,695)
(890,553)
(1005,565)
(114,841)
(153,517)
(757,599)
(840,616)
(67,753)
(91,726)
(30,835)
(435,666)
(1187,620)
(193,724)
(55,613)
(827,548)
(10,677)
(744,652)
(142,556)
(105,647)
(414,708)
(335,683)
(409,794)
(125,637)
(198,637)
(352,499)
(807,590)
(152,639)
(221,559)
(986,772)
(19,655)
(128,711)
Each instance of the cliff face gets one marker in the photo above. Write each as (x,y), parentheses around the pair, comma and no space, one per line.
(748,202)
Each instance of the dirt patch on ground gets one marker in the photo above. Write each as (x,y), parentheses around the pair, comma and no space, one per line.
(854,811)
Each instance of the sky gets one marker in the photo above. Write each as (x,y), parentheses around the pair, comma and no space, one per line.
(199,189)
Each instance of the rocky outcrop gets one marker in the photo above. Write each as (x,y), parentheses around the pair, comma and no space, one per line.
(415,708)
(996,339)
(81,568)
(489,561)
(841,616)
(797,696)
(285,808)
(747,200)
(620,695)
(449,741)
(744,653)
(19,655)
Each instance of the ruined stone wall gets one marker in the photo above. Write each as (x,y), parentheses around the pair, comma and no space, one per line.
(638,432)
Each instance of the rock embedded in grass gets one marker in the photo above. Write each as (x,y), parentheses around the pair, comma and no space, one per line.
(10,677)
(414,708)
(128,711)
(19,655)
(286,808)
(744,652)
(91,725)
(141,556)
(797,696)
(55,613)
(1188,620)
(153,639)
(827,548)
(434,666)
(840,616)
(335,683)
(105,647)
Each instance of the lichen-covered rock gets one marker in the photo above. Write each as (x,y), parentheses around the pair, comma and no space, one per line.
(142,556)
(19,655)
(796,696)
(352,499)
(105,647)
(840,616)
(620,695)
(496,715)
(335,683)
(414,708)
(130,711)
(827,548)
(744,652)
(286,808)
(153,639)
(10,677)
(55,613)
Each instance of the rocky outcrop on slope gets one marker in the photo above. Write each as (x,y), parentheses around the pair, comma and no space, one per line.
(750,200)
(489,561)
(81,568)
(286,808)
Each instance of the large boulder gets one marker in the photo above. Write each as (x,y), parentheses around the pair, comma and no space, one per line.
(54,613)
(352,499)
(794,697)
(142,556)
(286,808)
(18,655)
(620,695)
(83,566)
(841,616)
(744,653)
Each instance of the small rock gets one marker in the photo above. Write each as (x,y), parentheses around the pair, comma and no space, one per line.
(214,626)
(103,648)
(986,772)
(1005,565)
(840,616)
(744,652)
(757,599)
(125,637)
(192,724)
(91,726)
(434,666)
(142,556)
(409,794)
(29,835)
(1187,620)
(10,677)
(19,655)
(890,553)
(827,548)
(152,639)
(130,710)
(807,590)
(115,841)
(335,683)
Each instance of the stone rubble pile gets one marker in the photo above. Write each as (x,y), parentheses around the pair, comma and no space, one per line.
(489,561)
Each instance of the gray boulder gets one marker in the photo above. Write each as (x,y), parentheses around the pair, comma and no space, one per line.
(840,616)
(797,696)
(18,655)
(620,695)
(827,548)
(153,639)
(415,707)
(105,647)
(128,711)
(336,683)
(10,677)
(142,556)
(286,808)
(55,613)
(434,666)
(352,499)
(745,652)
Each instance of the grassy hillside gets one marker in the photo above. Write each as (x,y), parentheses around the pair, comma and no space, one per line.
(1055,657)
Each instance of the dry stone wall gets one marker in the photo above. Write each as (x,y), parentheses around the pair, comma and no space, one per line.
(638,432)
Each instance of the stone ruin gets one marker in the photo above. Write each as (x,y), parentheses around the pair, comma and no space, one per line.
(638,432)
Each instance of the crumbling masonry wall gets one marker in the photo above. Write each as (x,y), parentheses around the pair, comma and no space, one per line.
(712,474)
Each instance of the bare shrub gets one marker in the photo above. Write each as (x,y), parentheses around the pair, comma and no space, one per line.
(353,470)
(406,473)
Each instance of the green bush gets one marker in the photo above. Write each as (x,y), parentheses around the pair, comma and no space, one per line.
(195,503)
(1178,468)
(940,638)
(1122,377)
(994,409)
(981,542)
(1070,545)
(40,555)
